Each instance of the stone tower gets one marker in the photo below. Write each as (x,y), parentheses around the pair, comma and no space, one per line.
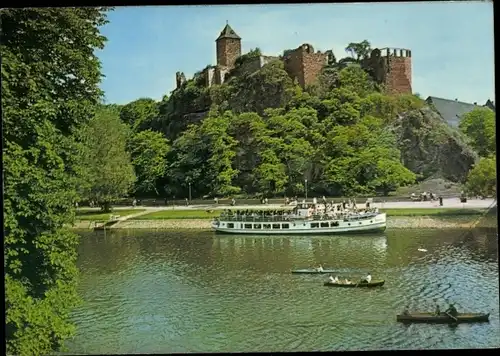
(304,65)
(228,47)
(392,68)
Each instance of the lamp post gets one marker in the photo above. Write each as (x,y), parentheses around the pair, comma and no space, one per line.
(189,191)
(306,188)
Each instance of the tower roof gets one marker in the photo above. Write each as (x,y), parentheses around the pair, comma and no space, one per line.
(228,32)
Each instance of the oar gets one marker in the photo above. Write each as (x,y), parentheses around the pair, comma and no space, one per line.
(451,316)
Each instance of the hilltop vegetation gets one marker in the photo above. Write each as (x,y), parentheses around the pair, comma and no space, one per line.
(259,133)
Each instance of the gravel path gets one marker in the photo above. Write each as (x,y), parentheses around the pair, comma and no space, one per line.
(453,203)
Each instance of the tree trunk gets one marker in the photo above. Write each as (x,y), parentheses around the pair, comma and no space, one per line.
(106,207)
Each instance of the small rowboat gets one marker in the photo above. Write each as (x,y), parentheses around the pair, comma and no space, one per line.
(374,283)
(443,318)
(313,271)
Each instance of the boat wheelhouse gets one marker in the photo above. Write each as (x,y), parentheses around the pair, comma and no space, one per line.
(303,219)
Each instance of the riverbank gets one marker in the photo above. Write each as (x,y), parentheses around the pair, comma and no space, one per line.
(393,222)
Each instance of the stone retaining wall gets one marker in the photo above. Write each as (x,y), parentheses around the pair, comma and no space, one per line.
(204,224)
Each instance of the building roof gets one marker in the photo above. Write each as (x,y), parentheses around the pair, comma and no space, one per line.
(228,32)
(451,110)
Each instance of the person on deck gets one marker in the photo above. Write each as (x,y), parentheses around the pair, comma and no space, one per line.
(452,310)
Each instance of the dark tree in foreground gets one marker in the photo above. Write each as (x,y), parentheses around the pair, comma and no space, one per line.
(50,79)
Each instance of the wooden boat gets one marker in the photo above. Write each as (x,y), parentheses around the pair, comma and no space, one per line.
(313,271)
(443,318)
(373,283)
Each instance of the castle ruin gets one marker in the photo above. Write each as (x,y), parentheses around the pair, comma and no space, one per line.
(390,67)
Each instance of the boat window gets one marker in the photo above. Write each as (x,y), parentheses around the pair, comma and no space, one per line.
(285,226)
(248,226)
(230,225)
(324,224)
(276,226)
(257,226)
(349,224)
(267,226)
(314,225)
(371,221)
(334,223)
(360,223)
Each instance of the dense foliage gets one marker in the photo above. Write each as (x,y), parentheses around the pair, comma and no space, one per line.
(50,79)
(482,179)
(479,126)
(109,171)
(259,133)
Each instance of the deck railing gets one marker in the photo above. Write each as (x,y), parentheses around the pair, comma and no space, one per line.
(281,218)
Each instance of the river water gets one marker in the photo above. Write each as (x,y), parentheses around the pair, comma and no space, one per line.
(162,292)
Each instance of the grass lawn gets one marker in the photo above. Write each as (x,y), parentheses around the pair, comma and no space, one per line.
(179,214)
(203,214)
(99,216)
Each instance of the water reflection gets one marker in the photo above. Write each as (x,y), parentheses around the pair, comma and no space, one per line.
(150,291)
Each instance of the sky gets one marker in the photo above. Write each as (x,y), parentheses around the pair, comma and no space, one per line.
(452,43)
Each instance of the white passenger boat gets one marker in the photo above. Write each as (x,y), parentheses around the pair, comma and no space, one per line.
(303,219)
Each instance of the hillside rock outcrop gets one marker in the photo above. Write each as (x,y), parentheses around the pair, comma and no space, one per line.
(431,148)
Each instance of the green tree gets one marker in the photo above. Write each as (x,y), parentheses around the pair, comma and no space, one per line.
(50,78)
(479,126)
(110,172)
(140,113)
(359,50)
(149,151)
(482,178)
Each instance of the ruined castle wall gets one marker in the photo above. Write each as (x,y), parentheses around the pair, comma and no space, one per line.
(210,76)
(294,66)
(228,49)
(313,64)
(220,74)
(266,59)
(253,65)
(305,65)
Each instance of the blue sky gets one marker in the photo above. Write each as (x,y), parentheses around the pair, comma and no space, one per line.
(451,43)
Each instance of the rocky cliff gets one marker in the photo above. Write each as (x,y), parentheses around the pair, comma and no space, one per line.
(431,148)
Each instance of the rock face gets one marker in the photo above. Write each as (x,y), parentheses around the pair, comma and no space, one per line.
(431,148)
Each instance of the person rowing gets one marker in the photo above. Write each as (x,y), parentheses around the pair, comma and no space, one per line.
(452,311)
(346,281)
(367,279)
(320,268)
(332,280)
(405,311)
(437,310)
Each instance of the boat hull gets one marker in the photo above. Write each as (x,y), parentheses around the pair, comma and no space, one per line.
(303,227)
(372,284)
(430,318)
